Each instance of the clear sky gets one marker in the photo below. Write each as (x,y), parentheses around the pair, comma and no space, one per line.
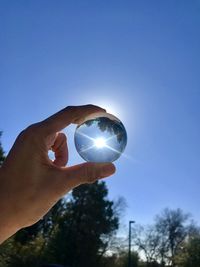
(139,59)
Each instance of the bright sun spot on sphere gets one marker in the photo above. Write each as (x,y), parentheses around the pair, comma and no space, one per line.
(100,142)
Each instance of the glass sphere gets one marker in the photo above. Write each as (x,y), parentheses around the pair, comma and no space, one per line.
(100,138)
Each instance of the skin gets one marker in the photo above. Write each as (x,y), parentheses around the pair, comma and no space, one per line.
(30,183)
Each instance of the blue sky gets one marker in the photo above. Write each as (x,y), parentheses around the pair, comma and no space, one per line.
(139,59)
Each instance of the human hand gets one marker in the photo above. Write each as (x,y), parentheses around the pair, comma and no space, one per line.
(30,183)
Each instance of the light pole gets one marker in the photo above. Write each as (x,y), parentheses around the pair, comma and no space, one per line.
(129,244)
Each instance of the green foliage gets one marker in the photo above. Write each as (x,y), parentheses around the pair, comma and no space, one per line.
(27,254)
(193,252)
(5,252)
(189,253)
(172,230)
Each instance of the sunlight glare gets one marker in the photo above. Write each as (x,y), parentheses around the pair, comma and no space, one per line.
(100,142)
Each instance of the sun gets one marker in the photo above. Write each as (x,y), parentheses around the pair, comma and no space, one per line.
(100,142)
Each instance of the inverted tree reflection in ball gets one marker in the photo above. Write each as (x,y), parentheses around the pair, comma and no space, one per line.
(101,139)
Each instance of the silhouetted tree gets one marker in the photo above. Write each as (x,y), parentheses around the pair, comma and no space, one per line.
(147,240)
(192,252)
(2,154)
(172,229)
(189,251)
(123,259)
(83,233)
(112,126)
(162,241)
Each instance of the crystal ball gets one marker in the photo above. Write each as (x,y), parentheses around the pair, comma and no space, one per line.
(101,137)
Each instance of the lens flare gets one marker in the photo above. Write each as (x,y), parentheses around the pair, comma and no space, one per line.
(100,142)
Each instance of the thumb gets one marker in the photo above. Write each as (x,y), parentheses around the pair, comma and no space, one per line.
(84,173)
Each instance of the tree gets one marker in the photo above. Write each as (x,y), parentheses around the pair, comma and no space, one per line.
(2,155)
(123,259)
(83,233)
(4,250)
(189,252)
(172,229)
(148,242)
(106,124)
(24,255)
(162,241)
(192,252)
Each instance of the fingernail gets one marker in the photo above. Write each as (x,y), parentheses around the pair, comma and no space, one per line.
(107,170)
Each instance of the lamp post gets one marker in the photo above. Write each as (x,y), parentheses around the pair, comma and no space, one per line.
(129,244)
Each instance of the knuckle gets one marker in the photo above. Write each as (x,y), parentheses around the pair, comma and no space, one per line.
(30,133)
(33,127)
(22,134)
(64,137)
(91,107)
(69,108)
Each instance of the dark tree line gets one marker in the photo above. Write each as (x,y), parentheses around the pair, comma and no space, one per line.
(169,241)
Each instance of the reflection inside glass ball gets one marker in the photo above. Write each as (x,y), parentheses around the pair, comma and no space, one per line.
(100,142)
(101,138)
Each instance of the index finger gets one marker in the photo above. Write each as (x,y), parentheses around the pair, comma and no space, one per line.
(68,115)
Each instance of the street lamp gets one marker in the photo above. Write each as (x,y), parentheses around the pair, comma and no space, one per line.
(129,244)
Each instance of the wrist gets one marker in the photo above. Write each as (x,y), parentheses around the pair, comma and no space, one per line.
(8,226)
